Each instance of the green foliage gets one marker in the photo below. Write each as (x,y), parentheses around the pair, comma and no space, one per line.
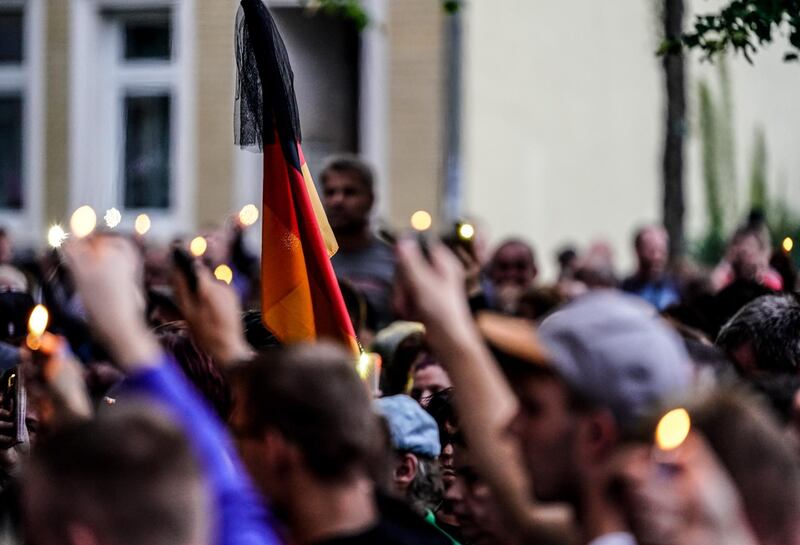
(351,10)
(744,26)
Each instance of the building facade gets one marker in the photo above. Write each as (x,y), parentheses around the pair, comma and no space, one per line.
(129,104)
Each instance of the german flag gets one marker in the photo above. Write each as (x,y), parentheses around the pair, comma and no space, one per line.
(300,296)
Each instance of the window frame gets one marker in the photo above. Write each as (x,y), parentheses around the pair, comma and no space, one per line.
(26,80)
(101,79)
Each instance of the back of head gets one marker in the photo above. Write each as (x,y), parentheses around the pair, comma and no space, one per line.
(760,459)
(616,353)
(312,395)
(770,325)
(127,478)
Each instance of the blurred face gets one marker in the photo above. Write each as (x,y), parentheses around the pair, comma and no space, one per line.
(653,251)
(347,202)
(512,265)
(476,508)
(748,257)
(429,380)
(546,428)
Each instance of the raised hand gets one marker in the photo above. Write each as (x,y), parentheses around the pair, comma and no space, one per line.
(214,316)
(107,271)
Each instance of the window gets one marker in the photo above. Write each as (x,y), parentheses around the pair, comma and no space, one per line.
(143,80)
(147,151)
(11,108)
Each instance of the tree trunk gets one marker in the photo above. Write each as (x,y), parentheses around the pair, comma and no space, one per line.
(675,80)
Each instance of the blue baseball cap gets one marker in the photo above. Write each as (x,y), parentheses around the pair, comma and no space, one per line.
(411,427)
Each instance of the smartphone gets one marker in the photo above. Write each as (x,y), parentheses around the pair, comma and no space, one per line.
(185,264)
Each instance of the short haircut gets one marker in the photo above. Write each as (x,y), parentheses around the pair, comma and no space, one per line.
(351,166)
(640,232)
(760,459)
(129,476)
(772,325)
(311,394)
(514,242)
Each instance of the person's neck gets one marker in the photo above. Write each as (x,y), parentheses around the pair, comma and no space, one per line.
(354,240)
(322,511)
(598,515)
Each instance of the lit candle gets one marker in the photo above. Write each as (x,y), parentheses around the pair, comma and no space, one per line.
(224,274)
(198,246)
(421,220)
(142,224)
(83,221)
(788,244)
(369,369)
(673,429)
(37,325)
(248,215)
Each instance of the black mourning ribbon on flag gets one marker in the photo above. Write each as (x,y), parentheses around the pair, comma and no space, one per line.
(265,100)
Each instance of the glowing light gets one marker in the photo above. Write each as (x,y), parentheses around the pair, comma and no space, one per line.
(112,217)
(198,246)
(224,274)
(56,236)
(362,367)
(83,221)
(466,231)
(142,224)
(673,429)
(37,323)
(421,220)
(788,244)
(248,215)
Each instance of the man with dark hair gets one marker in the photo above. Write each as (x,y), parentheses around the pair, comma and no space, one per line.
(312,441)
(650,281)
(764,336)
(428,378)
(364,260)
(511,270)
(127,478)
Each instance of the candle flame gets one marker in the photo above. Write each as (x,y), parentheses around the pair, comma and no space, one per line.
(248,215)
(83,221)
(142,224)
(673,429)
(224,273)
(788,244)
(198,246)
(421,220)
(37,323)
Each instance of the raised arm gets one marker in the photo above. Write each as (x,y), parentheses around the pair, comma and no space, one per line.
(485,401)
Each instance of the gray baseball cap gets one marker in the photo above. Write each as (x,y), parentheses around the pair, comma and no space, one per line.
(615,351)
(411,427)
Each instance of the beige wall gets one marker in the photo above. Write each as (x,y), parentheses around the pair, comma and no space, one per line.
(563,121)
(215,80)
(56,153)
(415,106)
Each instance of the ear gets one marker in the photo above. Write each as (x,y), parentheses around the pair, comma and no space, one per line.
(406,470)
(598,433)
(80,534)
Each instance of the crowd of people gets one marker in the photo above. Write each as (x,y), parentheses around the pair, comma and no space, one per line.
(156,408)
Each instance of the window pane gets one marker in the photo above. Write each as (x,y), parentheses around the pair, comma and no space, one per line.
(148,38)
(11,36)
(147,151)
(11,152)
